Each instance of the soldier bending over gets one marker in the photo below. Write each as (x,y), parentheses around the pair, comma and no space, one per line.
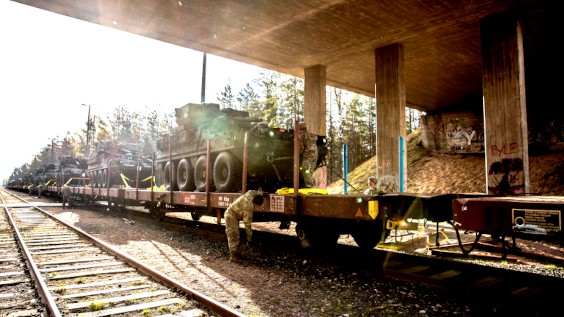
(308,151)
(241,209)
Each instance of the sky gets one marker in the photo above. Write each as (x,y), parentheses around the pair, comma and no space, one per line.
(51,64)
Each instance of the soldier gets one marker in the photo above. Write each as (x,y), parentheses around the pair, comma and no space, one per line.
(388,184)
(308,151)
(39,189)
(372,189)
(241,209)
(30,187)
(66,195)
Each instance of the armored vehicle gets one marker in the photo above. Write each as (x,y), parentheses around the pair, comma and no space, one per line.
(120,160)
(269,160)
(70,169)
(46,175)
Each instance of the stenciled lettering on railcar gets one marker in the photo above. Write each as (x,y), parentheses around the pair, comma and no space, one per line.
(537,221)
(190,199)
(276,203)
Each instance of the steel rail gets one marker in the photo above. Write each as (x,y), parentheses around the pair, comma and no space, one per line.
(195,295)
(33,270)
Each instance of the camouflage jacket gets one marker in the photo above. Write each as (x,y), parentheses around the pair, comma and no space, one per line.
(308,146)
(66,191)
(243,205)
(371,191)
(388,184)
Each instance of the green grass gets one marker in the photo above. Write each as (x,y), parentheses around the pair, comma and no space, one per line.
(61,289)
(81,280)
(147,313)
(94,306)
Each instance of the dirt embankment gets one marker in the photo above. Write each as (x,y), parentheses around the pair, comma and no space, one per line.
(429,172)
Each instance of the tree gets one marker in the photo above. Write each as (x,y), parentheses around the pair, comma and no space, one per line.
(226,98)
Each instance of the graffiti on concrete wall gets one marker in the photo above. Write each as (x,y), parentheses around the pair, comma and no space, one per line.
(506,177)
(461,132)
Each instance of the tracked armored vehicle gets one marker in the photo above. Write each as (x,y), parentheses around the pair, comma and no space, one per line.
(120,161)
(270,151)
(69,170)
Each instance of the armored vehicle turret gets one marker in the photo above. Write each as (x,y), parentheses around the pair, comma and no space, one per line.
(120,161)
(70,169)
(270,151)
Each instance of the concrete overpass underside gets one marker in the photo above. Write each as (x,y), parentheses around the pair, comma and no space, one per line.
(431,55)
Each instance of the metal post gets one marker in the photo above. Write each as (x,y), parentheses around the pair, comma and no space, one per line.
(296,164)
(208,152)
(204,80)
(152,176)
(170,166)
(108,184)
(87,133)
(345,169)
(137,180)
(401,171)
(245,152)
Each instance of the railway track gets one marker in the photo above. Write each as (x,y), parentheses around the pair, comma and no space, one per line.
(70,273)
(501,285)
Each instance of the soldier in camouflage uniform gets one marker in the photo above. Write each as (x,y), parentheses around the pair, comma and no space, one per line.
(308,152)
(39,189)
(66,195)
(30,187)
(241,209)
(388,184)
(372,189)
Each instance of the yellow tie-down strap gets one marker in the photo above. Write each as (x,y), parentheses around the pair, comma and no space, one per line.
(304,191)
(126,185)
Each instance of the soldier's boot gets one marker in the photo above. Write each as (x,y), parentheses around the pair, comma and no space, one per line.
(235,258)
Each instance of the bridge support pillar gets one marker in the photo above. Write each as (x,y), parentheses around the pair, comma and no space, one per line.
(505,110)
(315,111)
(390,109)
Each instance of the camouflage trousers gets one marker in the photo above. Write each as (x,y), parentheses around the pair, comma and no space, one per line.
(308,171)
(232,231)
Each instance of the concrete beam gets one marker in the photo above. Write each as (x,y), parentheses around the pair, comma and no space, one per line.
(390,108)
(315,103)
(505,109)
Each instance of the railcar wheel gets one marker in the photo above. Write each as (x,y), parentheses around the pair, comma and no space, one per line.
(313,237)
(226,173)
(185,176)
(158,213)
(195,216)
(200,175)
(167,179)
(368,234)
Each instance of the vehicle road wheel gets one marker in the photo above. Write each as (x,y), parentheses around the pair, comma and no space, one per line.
(97,178)
(368,234)
(167,179)
(200,175)
(185,176)
(227,173)
(104,180)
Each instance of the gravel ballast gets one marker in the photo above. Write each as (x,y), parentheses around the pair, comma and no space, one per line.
(273,282)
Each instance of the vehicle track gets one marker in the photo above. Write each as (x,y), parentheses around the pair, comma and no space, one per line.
(82,276)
